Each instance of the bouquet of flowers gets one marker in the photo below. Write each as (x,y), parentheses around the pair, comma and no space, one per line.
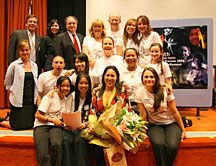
(131,128)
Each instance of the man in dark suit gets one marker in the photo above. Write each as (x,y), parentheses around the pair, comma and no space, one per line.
(33,38)
(70,42)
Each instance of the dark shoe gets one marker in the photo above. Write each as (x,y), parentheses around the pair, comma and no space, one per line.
(3,119)
(186,122)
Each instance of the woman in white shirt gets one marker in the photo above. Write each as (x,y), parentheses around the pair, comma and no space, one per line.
(92,45)
(81,65)
(146,37)
(131,75)
(21,82)
(76,150)
(48,123)
(165,128)
(129,39)
(162,68)
(109,57)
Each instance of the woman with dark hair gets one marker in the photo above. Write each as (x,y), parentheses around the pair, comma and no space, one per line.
(165,128)
(21,82)
(81,65)
(110,92)
(75,148)
(47,49)
(131,75)
(129,39)
(146,38)
(48,123)
(157,62)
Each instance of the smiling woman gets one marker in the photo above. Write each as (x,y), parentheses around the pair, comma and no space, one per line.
(21,78)
(109,58)
(110,93)
(92,44)
(48,123)
(165,128)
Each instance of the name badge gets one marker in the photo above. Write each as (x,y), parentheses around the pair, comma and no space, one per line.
(86,107)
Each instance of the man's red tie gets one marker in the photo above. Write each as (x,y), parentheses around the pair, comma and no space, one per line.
(75,44)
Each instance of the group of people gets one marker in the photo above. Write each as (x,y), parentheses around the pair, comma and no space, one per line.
(90,74)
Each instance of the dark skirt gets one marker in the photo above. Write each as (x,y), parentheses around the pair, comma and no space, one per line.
(22,118)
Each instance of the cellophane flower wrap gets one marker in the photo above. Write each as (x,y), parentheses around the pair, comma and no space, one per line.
(125,126)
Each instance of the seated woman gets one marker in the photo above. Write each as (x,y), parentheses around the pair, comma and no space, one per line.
(21,82)
(75,148)
(103,99)
(81,65)
(165,128)
(48,123)
(131,75)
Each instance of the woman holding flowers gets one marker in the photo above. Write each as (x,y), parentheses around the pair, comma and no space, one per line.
(165,128)
(111,92)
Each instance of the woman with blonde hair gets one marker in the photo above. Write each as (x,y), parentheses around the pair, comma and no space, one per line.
(92,44)
(21,82)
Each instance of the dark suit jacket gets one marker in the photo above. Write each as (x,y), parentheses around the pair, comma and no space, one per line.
(66,49)
(47,48)
(15,37)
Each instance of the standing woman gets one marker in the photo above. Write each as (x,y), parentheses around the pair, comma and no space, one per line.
(129,39)
(110,93)
(92,45)
(48,43)
(48,123)
(75,148)
(21,82)
(165,128)
(131,75)
(146,38)
(162,68)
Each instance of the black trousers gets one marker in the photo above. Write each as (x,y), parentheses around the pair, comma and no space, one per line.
(165,140)
(43,136)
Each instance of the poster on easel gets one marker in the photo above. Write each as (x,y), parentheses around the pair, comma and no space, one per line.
(187,45)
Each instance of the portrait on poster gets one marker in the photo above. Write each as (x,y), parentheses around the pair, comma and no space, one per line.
(185,50)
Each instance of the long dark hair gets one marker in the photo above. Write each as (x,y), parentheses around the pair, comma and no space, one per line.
(118,85)
(160,60)
(63,78)
(157,88)
(48,30)
(77,94)
(83,57)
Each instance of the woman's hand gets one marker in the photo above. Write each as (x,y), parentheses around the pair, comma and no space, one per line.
(58,122)
(51,94)
(69,72)
(82,126)
(143,66)
(91,127)
(68,128)
(184,136)
(169,88)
